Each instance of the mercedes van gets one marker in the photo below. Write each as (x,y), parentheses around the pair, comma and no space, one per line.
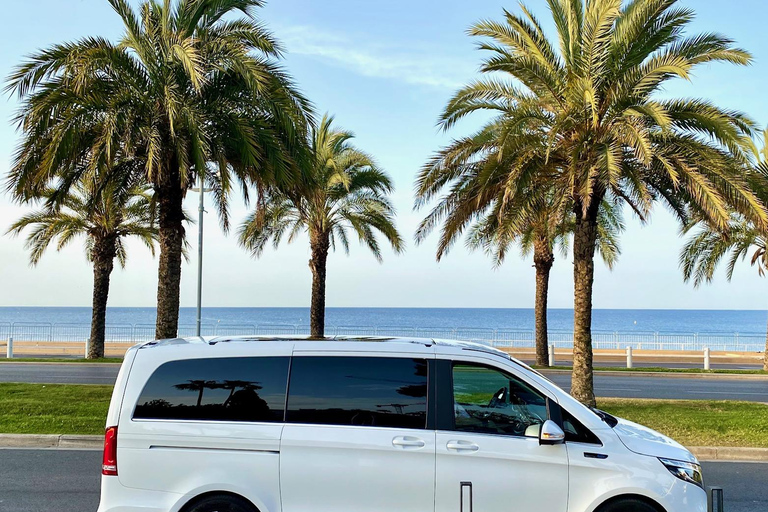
(253,424)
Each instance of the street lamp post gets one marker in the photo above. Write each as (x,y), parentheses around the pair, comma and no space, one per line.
(201,211)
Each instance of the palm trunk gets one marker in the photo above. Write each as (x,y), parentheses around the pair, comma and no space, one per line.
(103,263)
(543,259)
(584,243)
(320,243)
(171,229)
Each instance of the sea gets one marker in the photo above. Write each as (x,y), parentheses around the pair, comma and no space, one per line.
(612,320)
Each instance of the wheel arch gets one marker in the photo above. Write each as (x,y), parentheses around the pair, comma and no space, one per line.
(200,497)
(638,497)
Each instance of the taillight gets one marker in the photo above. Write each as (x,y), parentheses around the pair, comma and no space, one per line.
(109,461)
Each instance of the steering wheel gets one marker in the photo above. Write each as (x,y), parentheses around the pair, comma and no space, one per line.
(499,398)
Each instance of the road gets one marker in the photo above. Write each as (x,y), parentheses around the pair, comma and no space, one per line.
(622,386)
(687,388)
(68,481)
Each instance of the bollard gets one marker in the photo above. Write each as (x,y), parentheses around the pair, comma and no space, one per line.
(629,357)
(716,501)
(551,355)
(706,359)
(9,349)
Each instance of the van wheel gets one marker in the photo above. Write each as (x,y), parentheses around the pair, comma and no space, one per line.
(628,505)
(222,503)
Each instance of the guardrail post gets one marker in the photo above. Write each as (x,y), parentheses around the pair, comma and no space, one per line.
(629,357)
(551,355)
(9,348)
(706,358)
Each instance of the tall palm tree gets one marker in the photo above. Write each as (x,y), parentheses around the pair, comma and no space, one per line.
(541,224)
(345,191)
(584,116)
(535,216)
(191,85)
(105,214)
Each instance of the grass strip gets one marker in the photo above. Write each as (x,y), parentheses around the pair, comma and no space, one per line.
(697,422)
(53,408)
(82,409)
(61,360)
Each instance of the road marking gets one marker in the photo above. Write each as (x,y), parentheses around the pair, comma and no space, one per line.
(727,393)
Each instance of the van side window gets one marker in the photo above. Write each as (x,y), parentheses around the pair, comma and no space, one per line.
(359,391)
(489,401)
(216,389)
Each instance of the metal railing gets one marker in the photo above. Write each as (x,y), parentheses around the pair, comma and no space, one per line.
(506,338)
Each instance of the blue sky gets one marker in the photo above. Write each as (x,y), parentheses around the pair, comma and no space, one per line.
(385,69)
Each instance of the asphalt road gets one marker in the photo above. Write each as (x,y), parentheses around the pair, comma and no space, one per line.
(687,388)
(68,481)
(691,388)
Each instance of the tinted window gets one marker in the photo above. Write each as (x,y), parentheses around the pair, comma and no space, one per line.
(223,389)
(361,391)
(492,402)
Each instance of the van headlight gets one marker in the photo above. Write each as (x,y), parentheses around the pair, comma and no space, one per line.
(686,471)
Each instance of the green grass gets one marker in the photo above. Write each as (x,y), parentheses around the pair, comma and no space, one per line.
(697,422)
(658,370)
(53,408)
(60,360)
(82,409)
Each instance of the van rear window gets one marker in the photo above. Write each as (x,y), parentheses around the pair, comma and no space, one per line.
(359,391)
(216,389)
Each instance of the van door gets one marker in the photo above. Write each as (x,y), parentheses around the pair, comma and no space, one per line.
(488,454)
(356,437)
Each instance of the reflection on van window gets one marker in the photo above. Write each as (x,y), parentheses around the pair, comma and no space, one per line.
(359,391)
(491,402)
(220,389)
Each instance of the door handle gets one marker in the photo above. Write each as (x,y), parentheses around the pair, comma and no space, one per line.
(462,446)
(408,442)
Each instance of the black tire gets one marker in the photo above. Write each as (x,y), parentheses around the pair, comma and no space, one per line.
(221,503)
(628,505)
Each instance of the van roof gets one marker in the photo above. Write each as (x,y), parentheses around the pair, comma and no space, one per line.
(214,340)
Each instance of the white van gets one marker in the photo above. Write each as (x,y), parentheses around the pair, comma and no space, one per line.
(248,424)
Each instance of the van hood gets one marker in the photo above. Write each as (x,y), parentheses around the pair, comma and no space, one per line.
(644,441)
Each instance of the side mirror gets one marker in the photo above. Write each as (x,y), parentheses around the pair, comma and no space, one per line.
(551,433)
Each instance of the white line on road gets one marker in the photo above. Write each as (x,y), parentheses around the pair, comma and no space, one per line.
(727,393)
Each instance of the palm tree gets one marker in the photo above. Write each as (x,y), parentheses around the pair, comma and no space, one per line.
(106,214)
(539,225)
(536,217)
(583,116)
(344,191)
(742,238)
(191,85)
(704,251)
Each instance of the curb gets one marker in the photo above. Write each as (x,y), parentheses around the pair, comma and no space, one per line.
(45,363)
(667,375)
(64,442)
(714,453)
